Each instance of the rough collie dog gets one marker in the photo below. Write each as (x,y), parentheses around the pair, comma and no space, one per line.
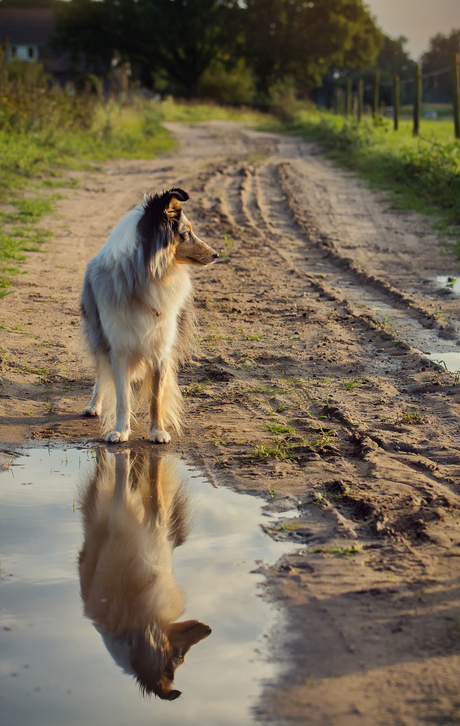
(135,512)
(136,307)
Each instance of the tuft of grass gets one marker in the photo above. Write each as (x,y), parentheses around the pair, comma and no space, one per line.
(195,389)
(413,419)
(353,383)
(274,449)
(278,428)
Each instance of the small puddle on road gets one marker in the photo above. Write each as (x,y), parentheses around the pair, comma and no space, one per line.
(98,556)
(449,282)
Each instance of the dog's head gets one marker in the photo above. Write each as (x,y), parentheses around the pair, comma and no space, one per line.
(155,661)
(166,234)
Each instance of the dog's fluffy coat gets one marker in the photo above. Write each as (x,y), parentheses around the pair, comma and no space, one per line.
(137,311)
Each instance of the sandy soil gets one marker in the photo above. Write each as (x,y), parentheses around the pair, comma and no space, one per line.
(315,321)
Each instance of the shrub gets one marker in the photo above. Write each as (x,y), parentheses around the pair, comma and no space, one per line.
(230,87)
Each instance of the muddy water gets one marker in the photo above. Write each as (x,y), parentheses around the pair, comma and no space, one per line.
(153,536)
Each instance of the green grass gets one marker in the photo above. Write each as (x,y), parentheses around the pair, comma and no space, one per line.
(421,173)
(193,112)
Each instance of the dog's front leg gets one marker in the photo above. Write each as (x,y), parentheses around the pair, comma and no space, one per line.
(157,431)
(121,378)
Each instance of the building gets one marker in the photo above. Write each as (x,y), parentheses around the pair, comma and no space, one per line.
(25,33)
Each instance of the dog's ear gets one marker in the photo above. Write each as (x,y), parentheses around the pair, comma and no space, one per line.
(173,202)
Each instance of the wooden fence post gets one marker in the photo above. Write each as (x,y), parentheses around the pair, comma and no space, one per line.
(396,102)
(376,94)
(417,98)
(456,93)
(360,99)
(348,98)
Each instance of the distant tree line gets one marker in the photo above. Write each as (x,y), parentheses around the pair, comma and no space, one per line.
(190,46)
(172,43)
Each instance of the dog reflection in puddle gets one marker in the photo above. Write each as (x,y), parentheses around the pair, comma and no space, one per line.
(134,514)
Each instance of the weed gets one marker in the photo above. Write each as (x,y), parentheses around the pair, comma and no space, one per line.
(354,383)
(218,440)
(195,389)
(337,551)
(285,526)
(413,419)
(275,449)
(278,428)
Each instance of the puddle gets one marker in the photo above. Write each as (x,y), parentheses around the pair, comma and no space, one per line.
(450,282)
(450,361)
(154,537)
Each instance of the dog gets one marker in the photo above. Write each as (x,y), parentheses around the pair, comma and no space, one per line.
(137,312)
(135,512)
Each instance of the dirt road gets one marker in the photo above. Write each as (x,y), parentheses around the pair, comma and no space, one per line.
(311,388)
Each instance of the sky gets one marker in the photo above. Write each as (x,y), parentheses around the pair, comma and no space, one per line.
(418,20)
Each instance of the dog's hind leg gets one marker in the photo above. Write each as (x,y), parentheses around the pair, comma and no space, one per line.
(157,430)
(95,405)
(121,378)
(103,377)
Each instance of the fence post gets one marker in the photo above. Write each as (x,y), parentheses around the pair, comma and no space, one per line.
(360,99)
(396,102)
(456,93)
(348,98)
(417,98)
(376,94)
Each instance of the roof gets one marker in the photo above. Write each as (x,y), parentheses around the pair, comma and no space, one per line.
(26,26)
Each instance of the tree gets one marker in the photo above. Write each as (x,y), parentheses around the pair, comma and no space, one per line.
(179,37)
(439,58)
(305,39)
(187,35)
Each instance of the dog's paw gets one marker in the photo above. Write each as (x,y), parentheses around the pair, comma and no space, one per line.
(160,437)
(115,436)
(91,411)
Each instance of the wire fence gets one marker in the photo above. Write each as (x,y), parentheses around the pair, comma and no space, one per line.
(349,101)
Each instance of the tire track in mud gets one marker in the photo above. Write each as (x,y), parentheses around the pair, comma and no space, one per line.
(378,515)
(261,200)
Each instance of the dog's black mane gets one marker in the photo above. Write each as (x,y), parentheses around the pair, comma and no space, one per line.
(156,228)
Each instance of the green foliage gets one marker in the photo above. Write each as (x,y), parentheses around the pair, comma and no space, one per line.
(179,38)
(228,86)
(182,44)
(302,40)
(30,105)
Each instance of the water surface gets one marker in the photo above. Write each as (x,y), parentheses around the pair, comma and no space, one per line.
(55,667)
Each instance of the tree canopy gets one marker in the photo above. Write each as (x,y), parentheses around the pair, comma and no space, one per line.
(181,38)
(304,39)
(439,58)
